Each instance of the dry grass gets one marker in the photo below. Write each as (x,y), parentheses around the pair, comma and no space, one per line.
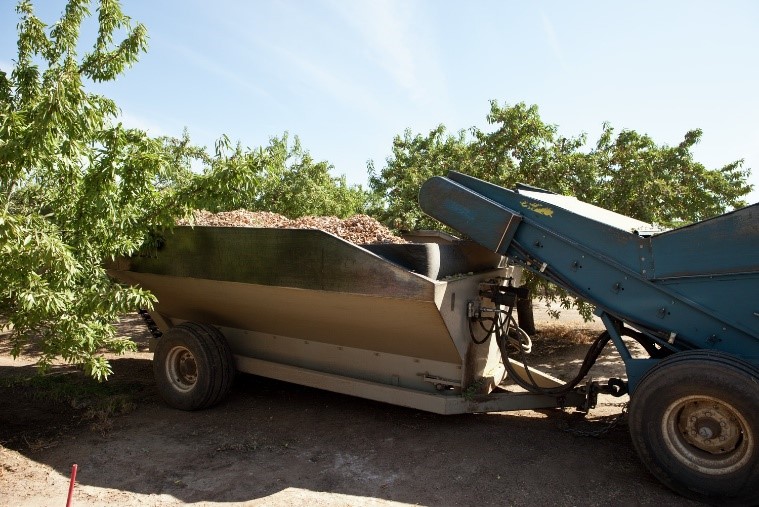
(74,396)
(38,444)
(101,415)
(566,334)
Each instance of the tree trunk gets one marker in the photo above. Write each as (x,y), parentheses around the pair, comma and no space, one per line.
(525,317)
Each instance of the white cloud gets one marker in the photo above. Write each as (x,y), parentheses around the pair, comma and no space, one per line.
(390,32)
(342,89)
(136,122)
(553,39)
(226,74)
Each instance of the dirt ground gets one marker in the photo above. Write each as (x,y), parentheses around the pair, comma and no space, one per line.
(278,444)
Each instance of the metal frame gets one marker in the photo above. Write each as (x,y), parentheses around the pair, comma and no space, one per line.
(680,295)
(307,307)
(445,404)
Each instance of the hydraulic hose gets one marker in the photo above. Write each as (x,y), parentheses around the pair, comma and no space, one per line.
(530,385)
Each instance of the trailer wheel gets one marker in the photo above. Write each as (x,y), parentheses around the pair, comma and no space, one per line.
(193,366)
(694,421)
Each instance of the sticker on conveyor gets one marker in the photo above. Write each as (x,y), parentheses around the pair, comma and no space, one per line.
(537,208)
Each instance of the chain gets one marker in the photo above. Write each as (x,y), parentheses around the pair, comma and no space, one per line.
(608,423)
(152,326)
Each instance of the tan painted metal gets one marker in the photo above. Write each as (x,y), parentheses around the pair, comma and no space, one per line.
(541,379)
(412,372)
(399,326)
(436,403)
(307,307)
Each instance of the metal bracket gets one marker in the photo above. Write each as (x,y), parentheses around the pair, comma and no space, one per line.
(440,382)
(590,392)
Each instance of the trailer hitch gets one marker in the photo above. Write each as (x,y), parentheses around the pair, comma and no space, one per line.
(615,387)
(590,390)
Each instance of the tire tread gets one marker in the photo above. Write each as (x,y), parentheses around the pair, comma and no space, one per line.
(705,366)
(213,352)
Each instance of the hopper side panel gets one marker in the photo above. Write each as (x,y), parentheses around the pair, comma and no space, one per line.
(385,324)
(296,258)
(723,245)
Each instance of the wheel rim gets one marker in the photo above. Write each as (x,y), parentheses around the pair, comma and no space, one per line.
(181,368)
(707,435)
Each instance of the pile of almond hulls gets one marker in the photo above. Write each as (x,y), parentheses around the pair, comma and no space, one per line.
(358,229)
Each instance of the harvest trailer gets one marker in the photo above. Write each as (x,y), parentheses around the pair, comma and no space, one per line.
(688,296)
(430,324)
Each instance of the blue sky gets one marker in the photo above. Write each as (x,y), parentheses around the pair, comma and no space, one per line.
(347,76)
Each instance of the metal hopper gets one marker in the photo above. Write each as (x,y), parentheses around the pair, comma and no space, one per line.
(386,322)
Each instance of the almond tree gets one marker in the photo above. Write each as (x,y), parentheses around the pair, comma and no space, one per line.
(289,182)
(625,172)
(75,187)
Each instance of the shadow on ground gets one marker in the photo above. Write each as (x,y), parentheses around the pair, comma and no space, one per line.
(269,436)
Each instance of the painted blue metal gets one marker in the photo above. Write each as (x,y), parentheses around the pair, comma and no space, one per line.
(689,288)
(484,220)
(636,367)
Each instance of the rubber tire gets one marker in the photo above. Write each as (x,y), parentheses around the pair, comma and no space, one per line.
(698,373)
(215,369)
